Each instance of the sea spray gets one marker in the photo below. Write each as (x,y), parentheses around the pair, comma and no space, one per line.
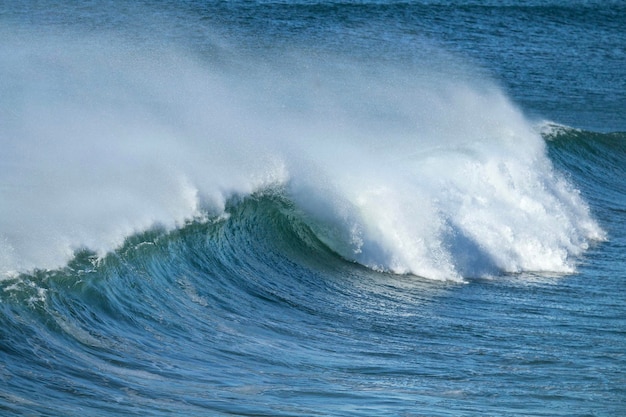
(102,140)
(400,168)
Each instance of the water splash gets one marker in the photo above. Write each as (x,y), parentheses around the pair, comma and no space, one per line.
(408,170)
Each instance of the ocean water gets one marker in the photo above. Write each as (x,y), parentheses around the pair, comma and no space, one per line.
(298,208)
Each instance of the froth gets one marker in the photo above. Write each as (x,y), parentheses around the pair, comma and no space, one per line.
(454,182)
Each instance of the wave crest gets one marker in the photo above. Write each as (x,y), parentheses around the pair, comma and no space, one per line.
(408,170)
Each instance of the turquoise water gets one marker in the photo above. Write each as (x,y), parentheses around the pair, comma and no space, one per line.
(313,208)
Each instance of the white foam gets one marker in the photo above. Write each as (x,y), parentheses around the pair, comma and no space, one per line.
(410,171)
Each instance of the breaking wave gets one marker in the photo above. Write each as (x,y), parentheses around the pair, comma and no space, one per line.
(405,170)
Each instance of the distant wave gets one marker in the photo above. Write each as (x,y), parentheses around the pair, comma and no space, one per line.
(411,171)
(594,160)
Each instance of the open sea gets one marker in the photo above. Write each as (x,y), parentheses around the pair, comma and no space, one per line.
(313,208)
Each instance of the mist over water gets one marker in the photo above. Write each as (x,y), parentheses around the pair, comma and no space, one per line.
(402,169)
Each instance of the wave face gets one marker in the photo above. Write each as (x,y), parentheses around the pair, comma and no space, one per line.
(417,171)
(250,311)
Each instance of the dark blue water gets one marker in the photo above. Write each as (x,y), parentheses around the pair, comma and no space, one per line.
(313,208)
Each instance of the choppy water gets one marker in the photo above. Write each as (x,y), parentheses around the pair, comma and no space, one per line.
(313,208)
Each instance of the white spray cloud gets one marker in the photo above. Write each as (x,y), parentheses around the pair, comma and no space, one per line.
(408,171)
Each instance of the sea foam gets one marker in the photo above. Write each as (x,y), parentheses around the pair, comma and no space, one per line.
(405,169)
